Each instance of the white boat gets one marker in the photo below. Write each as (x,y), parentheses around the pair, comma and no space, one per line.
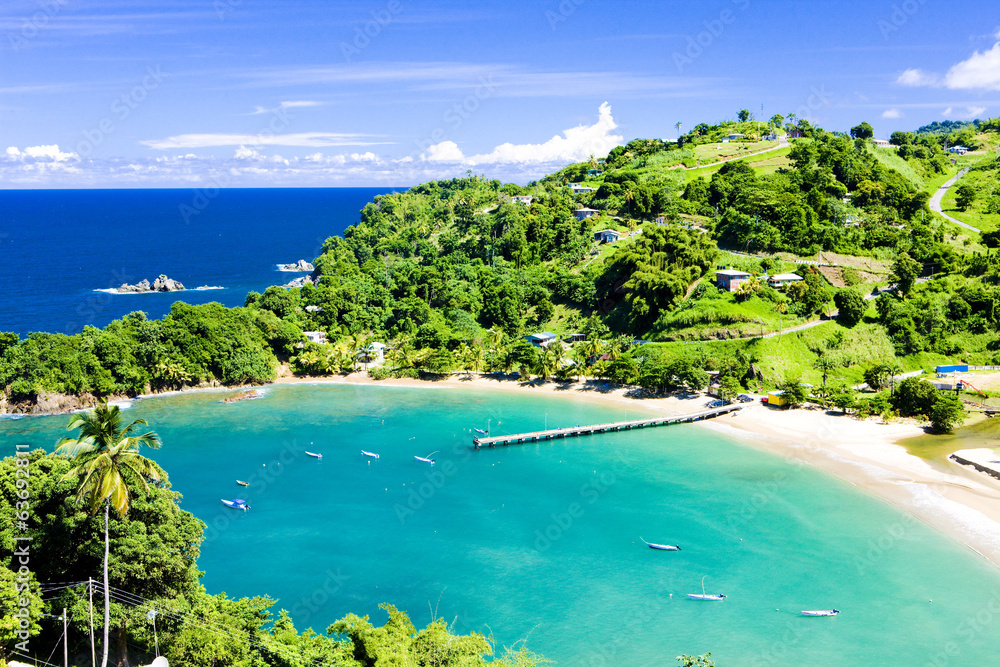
(426,459)
(371,454)
(315,456)
(481,431)
(662,547)
(236,504)
(705,596)
(822,612)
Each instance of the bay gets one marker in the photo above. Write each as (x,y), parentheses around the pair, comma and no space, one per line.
(541,541)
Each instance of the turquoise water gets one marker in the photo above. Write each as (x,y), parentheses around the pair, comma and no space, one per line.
(542,540)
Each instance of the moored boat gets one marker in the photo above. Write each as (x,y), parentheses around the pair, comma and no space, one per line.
(426,459)
(315,456)
(371,454)
(662,547)
(236,504)
(822,612)
(703,596)
(242,483)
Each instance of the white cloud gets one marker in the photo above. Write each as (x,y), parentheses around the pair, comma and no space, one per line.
(892,113)
(573,145)
(41,153)
(446,151)
(970,112)
(244,153)
(302,139)
(946,112)
(291,104)
(916,77)
(975,111)
(980,71)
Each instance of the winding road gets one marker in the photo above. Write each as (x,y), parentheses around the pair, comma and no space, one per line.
(935,201)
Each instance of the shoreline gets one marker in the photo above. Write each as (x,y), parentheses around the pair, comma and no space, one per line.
(961,503)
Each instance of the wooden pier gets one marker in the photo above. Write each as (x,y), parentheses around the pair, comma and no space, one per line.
(575,431)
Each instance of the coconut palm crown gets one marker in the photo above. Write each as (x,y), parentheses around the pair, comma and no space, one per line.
(104,453)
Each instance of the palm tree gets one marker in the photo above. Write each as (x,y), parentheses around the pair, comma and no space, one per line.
(106,461)
(677,126)
(825,364)
(592,346)
(629,198)
(496,337)
(893,369)
(549,360)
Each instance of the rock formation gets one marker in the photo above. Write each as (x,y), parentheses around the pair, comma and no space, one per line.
(300,266)
(161,284)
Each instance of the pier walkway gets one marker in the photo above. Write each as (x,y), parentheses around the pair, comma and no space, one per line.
(574,431)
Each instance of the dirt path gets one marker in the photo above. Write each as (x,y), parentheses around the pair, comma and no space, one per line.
(935,202)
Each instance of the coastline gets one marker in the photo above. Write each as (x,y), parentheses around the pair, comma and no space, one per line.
(961,503)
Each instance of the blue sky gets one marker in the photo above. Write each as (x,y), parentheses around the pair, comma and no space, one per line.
(193,93)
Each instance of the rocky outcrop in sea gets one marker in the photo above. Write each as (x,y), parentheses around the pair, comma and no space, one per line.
(161,284)
(301,266)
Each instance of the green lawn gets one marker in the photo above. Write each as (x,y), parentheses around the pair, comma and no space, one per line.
(766,157)
(978,215)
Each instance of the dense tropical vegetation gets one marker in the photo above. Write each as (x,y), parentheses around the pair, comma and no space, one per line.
(452,274)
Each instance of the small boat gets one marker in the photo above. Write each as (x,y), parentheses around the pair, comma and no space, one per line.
(236,504)
(242,483)
(705,596)
(426,459)
(822,612)
(315,456)
(481,431)
(662,547)
(371,454)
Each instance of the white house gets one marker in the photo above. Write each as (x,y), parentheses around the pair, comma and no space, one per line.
(541,339)
(315,336)
(607,235)
(780,280)
(584,213)
(374,353)
(522,199)
(579,189)
(881,143)
(736,136)
(958,150)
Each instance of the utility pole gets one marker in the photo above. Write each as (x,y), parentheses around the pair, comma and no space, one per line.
(90,590)
(65,639)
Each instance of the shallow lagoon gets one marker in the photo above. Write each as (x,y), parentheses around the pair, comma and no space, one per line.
(542,540)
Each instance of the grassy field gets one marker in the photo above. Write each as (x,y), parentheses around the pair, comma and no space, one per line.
(978,215)
(766,157)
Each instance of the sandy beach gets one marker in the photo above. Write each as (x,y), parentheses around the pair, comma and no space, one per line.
(957,501)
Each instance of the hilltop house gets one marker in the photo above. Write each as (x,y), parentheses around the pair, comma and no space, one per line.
(580,189)
(881,143)
(729,279)
(315,336)
(958,150)
(522,199)
(736,136)
(584,213)
(541,339)
(607,235)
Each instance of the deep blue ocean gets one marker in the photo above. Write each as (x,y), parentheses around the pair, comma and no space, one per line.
(58,246)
